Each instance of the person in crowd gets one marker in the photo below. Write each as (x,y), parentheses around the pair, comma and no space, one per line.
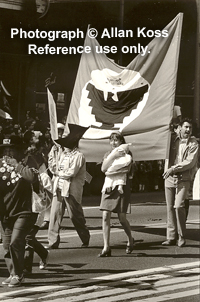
(30,125)
(52,154)
(158,169)
(33,147)
(18,130)
(39,124)
(115,201)
(16,214)
(142,176)
(134,180)
(175,127)
(149,176)
(30,117)
(69,171)
(34,158)
(178,176)
(47,144)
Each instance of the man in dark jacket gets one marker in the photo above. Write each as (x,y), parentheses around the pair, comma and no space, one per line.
(16,214)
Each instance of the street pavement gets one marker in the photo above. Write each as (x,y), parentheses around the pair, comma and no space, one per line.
(152,273)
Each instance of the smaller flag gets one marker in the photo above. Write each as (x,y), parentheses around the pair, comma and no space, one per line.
(50,80)
(52,116)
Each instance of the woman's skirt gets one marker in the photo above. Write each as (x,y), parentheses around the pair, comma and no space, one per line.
(116,202)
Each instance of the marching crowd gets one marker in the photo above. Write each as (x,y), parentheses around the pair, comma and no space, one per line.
(29,159)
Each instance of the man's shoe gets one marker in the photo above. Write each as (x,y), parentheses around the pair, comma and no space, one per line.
(44,262)
(16,281)
(7,281)
(44,225)
(53,246)
(181,242)
(169,242)
(85,244)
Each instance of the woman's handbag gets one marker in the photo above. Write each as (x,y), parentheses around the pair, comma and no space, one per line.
(41,200)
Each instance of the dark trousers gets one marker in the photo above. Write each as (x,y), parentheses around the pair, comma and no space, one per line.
(14,232)
(33,245)
(187,205)
(32,242)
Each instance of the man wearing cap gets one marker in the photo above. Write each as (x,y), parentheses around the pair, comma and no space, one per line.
(68,171)
(16,213)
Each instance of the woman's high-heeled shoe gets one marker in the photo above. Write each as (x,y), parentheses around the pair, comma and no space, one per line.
(130,248)
(105,253)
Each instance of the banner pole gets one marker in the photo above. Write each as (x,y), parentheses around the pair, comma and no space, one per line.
(196,107)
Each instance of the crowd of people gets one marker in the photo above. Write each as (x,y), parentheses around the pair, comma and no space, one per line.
(27,152)
(146,175)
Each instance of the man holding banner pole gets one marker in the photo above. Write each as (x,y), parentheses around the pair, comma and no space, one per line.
(69,174)
(53,154)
